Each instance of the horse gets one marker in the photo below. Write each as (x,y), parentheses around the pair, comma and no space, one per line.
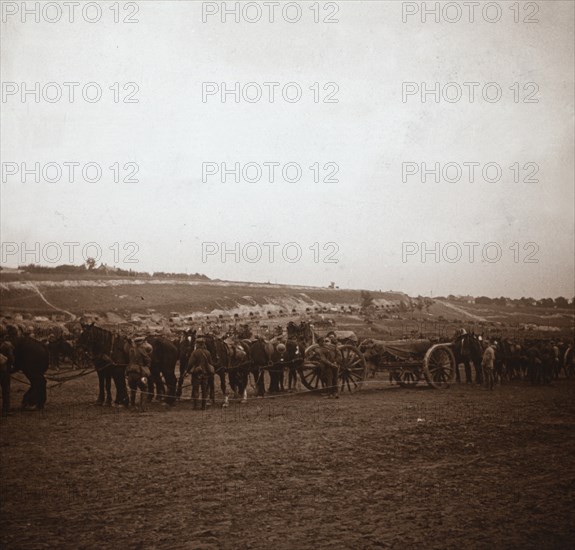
(467,349)
(228,358)
(163,365)
(239,365)
(298,338)
(28,355)
(59,348)
(508,360)
(6,357)
(185,345)
(110,357)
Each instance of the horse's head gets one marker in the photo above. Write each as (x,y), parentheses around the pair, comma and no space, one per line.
(86,338)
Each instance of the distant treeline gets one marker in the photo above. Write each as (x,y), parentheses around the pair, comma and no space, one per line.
(107,270)
(559,302)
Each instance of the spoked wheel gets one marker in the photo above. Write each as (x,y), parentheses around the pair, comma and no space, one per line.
(406,378)
(352,368)
(310,370)
(439,366)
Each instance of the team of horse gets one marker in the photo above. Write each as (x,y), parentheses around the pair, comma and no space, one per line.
(538,360)
(238,359)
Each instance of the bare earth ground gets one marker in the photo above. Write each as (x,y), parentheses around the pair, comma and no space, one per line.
(385,468)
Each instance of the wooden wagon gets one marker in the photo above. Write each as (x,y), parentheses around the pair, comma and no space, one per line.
(410,362)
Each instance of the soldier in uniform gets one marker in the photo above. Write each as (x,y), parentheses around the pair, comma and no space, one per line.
(488,365)
(202,368)
(330,368)
(277,369)
(138,369)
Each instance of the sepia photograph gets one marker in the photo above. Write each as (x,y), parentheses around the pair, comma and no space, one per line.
(287,275)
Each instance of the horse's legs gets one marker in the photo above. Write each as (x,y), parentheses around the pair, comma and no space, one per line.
(467,369)
(160,388)
(101,385)
(273,384)
(204,386)
(212,388)
(235,382)
(181,379)
(258,373)
(151,387)
(5,382)
(40,390)
(108,380)
(142,386)
(153,383)
(27,398)
(235,377)
(170,377)
(243,379)
(478,373)
(195,390)
(118,373)
(222,374)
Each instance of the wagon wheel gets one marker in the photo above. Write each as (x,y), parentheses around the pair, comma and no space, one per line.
(310,369)
(352,368)
(439,366)
(406,378)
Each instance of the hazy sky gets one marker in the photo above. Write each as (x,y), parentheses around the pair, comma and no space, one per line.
(369,212)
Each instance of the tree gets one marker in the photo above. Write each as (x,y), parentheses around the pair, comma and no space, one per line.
(366,299)
(90,263)
(561,302)
(545,302)
(419,304)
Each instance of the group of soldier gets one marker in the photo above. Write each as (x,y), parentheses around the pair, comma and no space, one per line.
(497,360)
(540,361)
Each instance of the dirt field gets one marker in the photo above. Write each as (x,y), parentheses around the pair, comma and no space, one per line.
(385,468)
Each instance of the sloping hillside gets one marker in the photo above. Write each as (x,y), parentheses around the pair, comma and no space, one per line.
(172,296)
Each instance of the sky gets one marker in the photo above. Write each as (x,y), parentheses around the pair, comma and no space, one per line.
(363,212)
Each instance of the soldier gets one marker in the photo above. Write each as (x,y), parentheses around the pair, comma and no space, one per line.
(201,366)
(138,369)
(277,369)
(488,365)
(329,366)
